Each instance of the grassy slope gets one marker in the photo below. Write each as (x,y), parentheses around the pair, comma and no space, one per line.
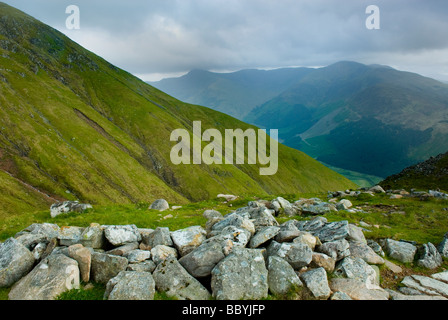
(71,122)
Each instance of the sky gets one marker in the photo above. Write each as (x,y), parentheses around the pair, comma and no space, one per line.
(154,39)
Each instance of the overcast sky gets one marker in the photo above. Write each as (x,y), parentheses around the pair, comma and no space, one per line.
(158,38)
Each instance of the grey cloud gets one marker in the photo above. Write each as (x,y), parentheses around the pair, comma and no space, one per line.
(162,36)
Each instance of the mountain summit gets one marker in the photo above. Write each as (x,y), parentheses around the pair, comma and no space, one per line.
(75,127)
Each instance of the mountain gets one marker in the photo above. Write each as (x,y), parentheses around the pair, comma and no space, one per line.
(430,174)
(235,93)
(75,127)
(370,119)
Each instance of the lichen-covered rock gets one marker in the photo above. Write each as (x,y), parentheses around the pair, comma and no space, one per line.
(298,255)
(15,262)
(51,277)
(83,256)
(365,252)
(186,240)
(281,276)
(400,250)
(67,207)
(200,262)
(263,235)
(70,235)
(159,205)
(317,282)
(93,236)
(160,253)
(130,285)
(357,269)
(105,267)
(120,235)
(338,250)
(172,278)
(241,275)
(429,257)
(160,236)
(137,256)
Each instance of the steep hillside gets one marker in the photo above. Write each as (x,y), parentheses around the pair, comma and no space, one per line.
(370,119)
(430,174)
(73,126)
(235,93)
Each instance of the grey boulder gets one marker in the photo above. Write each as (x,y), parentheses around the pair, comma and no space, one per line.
(130,285)
(15,262)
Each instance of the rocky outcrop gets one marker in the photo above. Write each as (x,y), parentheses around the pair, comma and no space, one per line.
(246,254)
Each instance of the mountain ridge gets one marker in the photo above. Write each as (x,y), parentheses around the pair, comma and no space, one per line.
(371,119)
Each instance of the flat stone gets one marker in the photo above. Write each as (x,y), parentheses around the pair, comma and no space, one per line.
(357,290)
(263,235)
(105,267)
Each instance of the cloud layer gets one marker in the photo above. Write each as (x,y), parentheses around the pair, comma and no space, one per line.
(159,37)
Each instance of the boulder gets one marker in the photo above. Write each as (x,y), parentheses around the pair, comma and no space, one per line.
(400,250)
(241,275)
(363,251)
(137,256)
(124,249)
(51,277)
(209,214)
(281,276)
(263,235)
(93,237)
(83,256)
(30,240)
(357,290)
(317,282)
(357,269)
(159,205)
(262,217)
(105,267)
(332,231)
(160,236)
(172,278)
(67,207)
(298,255)
(286,207)
(70,235)
(429,257)
(160,253)
(443,247)
(120,235)
(200,262)
(344,204)
(145,266)
(227,197)
(15,262)
(356,234)
(235,220)
(308,239)
(377,189)
(321,260)
(130,285)
(288,231)
(188,239)
(51,230)
(338,250)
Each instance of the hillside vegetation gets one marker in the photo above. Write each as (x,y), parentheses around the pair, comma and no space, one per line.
(75,127)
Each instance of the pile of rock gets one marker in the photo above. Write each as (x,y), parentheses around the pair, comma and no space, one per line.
(246,254)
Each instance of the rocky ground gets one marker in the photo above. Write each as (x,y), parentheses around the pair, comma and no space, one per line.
(246,254)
